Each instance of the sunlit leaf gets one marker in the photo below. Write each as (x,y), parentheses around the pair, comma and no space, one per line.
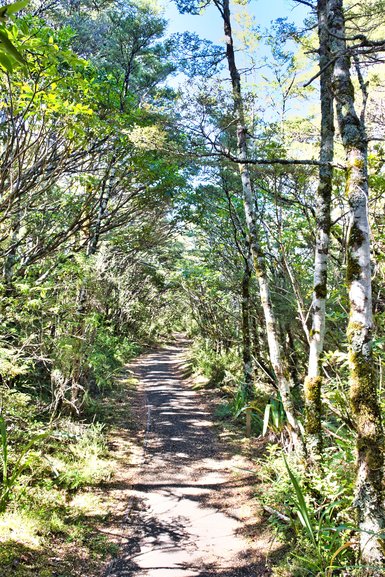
(6,62)
(13,8)
(7,46)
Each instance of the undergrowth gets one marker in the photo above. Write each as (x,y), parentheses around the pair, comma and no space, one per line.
(220,368)
(310,511)
(50,463)
(51,470)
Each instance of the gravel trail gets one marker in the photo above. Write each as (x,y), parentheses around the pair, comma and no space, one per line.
(191,498)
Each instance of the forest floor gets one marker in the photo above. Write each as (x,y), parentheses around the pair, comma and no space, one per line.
(181,500)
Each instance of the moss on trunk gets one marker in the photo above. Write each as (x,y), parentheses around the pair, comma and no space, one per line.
(365,408)
(313,415)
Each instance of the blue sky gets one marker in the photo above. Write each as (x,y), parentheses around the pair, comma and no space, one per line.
(208,25)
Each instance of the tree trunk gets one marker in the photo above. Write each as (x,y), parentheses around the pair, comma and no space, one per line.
(260,364)
(246,335)
(276,357)
(363,381)
(313,381)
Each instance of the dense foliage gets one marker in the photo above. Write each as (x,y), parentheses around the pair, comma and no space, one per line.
(142,193)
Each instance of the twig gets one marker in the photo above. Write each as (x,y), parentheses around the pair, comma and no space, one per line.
(277,514)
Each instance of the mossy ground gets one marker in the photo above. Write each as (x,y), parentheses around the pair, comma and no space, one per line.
(70,526)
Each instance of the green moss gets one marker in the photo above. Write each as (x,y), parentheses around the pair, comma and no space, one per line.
(354,329)
(313,405)
(312,332)
(353,270)
(358,163)
(356,237)
(257,268)
(313,388)
(320,290)
(365,408)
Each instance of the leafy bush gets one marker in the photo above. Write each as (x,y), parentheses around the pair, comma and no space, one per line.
(107,354)
(220,368)
(318,508)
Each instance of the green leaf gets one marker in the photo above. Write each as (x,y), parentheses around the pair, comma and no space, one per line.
(266,418)
(7,46)
(18,466)
(275,413)
(6,62)
(302,510)
(11,9)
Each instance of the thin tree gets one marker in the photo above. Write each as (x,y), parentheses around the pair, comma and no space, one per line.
(277,358)
(313,380)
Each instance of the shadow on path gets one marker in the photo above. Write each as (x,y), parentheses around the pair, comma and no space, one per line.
(186,508)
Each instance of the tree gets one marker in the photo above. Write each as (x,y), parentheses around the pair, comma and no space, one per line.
(277,358)
(363,381)
(313,380)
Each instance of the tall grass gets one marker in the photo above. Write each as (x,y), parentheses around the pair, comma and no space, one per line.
(325,537)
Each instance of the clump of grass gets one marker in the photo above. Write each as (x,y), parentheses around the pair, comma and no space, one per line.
(21,526)
(223,412)
(319,521)
(101,547)
(83,462)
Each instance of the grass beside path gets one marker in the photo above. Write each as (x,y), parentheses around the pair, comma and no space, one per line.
(68,520)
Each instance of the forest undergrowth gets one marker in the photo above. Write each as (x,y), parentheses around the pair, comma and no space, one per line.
(59,508)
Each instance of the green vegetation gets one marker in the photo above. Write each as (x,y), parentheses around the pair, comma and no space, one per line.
(321,534)
(150,186)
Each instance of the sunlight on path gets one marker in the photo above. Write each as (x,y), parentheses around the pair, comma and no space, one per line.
(183,519)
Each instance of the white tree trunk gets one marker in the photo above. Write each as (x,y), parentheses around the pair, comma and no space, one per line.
(277,359)
(313,381)
(363,381)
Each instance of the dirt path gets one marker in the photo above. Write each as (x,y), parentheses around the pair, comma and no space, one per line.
(191,501)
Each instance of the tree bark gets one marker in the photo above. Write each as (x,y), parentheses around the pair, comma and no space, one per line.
(248,373)
(313,380)
(363,381)
(277,359)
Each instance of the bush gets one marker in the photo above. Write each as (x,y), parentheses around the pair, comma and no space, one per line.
(221,369)
(318,508)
